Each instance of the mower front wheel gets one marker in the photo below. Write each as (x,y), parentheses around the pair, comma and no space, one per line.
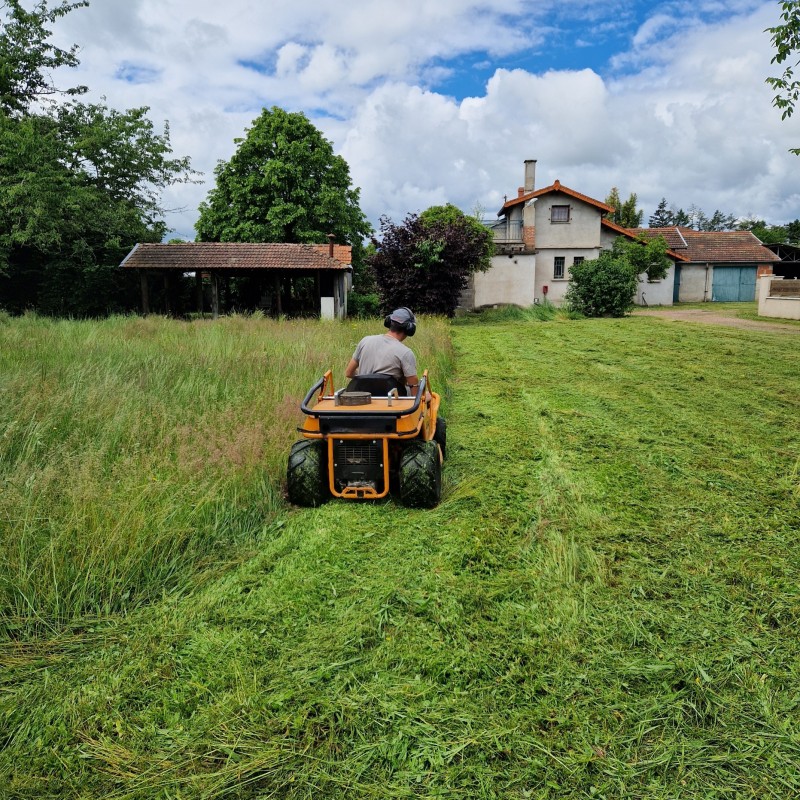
(420,475)
(306,474)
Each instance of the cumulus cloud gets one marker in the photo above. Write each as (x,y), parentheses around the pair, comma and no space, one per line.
(681,111)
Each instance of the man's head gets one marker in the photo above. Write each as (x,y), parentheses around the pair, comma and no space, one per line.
(401,320)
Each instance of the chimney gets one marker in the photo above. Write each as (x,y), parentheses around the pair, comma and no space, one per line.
(331,240)
(530,174)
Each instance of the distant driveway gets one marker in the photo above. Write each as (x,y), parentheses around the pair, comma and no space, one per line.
(711,317)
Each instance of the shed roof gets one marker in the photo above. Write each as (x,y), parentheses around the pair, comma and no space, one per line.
(715,247)
(194,256)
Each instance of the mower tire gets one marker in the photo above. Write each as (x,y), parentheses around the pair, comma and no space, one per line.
(420,475)
(306,478)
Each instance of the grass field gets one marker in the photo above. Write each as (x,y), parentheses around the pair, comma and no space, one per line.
(604,605)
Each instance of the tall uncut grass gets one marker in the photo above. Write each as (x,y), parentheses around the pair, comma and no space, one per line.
(137,453)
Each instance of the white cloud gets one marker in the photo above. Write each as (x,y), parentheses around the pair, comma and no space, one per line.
(683,113)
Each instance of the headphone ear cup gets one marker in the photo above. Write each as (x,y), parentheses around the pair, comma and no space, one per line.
(411,328)
(387,321)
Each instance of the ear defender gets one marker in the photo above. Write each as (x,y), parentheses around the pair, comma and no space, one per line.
(387,321)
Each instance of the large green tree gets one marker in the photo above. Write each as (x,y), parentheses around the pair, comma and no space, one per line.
(283,184)
(425,263)
(786,40)
(80,183)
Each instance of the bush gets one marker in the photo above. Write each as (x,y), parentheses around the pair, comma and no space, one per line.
(363,305)
(603,287)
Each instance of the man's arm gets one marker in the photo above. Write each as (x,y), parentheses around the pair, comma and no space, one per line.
(351,369)
(412,383)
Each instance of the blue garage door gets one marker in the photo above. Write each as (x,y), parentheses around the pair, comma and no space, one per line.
(734,284)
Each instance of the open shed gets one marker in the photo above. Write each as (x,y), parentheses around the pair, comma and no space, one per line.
(272,272)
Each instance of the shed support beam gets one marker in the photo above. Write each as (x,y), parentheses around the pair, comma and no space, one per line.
(145,292)
(215,295)
(198,283)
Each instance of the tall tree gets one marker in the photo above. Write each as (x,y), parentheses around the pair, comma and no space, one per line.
(786,40)
(79,183)
(662,217)
(426,262)
(625,213)
(27,57)
(283,184)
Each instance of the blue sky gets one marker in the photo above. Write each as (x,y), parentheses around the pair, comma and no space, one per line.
(442,102)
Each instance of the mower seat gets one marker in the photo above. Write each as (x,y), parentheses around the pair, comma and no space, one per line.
(376,383)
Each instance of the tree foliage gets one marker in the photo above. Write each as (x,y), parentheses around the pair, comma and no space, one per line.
(625,213)
(283,184)
(426,262)
(606,286)
(786,40)
(27,56)
(695,218)
(79,183)
(772,234)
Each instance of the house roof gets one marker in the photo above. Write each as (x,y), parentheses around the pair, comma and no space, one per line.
(555,187)
(632,234)
(716,247)
(193,256)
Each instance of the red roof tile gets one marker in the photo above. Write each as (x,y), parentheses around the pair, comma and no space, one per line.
(634,233)
(556,187)
(715,247)
(193,256)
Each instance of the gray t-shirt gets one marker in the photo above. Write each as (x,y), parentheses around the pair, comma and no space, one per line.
(385,355)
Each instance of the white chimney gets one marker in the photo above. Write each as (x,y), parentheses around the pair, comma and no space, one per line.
(530,174)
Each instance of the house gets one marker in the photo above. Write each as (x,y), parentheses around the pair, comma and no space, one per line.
(539,235)
(719,266)
(274,271)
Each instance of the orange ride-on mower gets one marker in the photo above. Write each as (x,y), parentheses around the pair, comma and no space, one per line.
(365,441)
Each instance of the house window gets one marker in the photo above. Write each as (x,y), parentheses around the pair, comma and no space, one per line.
(559,214)
(558,267)
(577,260)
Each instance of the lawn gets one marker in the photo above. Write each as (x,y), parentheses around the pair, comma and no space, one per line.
(605,603)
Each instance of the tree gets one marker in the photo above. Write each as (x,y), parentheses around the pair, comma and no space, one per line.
(786,40)
(625,214)
(79,183)
(27,57)
(426,262)
(606,286)
(283,184)
(662,217)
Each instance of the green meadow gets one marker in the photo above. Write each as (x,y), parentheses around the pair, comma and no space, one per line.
(604,605)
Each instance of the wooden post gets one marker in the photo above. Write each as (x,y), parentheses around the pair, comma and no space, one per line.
(214,295)
(318,290)
(278,308)
(145,292)
(198,282)
(167,298)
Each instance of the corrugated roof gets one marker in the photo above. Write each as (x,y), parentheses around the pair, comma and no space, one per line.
(715,247)
(555,187)
(193,256)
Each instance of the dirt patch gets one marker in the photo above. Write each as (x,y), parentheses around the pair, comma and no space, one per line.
(716,318)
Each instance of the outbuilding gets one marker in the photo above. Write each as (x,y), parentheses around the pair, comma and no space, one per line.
(280,278)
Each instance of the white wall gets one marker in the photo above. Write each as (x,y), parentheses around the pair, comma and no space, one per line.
(695,284)
(509,281)
(780,307)
(656,293)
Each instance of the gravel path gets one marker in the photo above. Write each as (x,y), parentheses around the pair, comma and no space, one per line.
(717,318)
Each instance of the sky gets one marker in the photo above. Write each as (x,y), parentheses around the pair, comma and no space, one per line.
(436,101)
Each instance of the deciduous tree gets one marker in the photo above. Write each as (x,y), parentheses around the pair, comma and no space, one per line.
(283,184)
(786,40)
(426,262)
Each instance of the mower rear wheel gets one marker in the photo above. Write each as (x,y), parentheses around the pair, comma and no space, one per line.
(306,478)
(420,475)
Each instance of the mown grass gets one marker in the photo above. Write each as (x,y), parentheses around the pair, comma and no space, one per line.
(604,604)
